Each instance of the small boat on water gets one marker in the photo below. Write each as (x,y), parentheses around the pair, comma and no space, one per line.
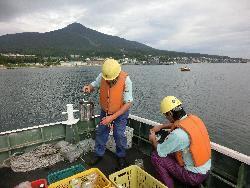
(230,169)
(185,69)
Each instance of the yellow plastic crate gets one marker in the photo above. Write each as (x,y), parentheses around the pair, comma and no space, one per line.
(134,177)
(102,181)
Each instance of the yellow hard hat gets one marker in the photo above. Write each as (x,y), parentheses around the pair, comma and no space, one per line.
(169,103)
(110,69)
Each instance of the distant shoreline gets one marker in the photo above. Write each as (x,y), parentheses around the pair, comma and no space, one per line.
(2,67)
(38,67)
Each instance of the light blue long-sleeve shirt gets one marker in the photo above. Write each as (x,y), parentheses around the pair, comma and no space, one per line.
(127,94)
(178,140)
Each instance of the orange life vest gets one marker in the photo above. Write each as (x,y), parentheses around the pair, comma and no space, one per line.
(200,147)
(111,98)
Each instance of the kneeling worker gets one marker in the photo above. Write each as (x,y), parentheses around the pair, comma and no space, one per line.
(115,101)
(186,152)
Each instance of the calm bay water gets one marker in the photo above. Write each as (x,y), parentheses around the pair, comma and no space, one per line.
(218,93)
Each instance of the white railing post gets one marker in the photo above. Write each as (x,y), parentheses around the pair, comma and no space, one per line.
(71,119)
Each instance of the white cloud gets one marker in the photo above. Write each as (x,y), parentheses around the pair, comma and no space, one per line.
(214,27)
(48,20)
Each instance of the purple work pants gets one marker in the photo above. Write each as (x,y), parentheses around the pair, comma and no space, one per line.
(168,167)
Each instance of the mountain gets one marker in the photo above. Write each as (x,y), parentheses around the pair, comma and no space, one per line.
(78,39)
(73,39)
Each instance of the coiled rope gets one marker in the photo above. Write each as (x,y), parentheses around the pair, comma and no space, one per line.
(40,157)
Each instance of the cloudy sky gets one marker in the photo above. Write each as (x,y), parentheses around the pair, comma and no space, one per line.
(219,27)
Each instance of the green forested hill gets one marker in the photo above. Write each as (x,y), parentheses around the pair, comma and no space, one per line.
(77,39)
(73,39)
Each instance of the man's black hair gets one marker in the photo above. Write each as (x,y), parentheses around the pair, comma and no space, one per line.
(178,113)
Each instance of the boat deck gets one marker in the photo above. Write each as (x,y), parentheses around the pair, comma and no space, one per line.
(108,166)
(229,169)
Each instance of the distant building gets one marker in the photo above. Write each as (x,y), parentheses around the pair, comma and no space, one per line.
(17,55)
(154,60)
(78,63)
(95,62)
(65,64)
(74,56)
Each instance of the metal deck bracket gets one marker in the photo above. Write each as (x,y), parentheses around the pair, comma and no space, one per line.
(241,181)
(72,134)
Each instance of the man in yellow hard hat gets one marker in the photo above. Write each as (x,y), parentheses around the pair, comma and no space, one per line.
(115,101)
(186,152)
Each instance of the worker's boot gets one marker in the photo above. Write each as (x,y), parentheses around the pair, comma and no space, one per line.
(95,160)
(122,162)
